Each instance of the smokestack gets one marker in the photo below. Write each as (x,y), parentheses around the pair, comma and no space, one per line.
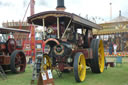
(60,5)
(120,13)
(110,11)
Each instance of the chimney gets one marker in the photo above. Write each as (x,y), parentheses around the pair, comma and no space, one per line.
(119,12)
(60,5)
(110,11)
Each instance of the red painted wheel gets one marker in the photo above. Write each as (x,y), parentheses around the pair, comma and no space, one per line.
(18,61)
(11,45)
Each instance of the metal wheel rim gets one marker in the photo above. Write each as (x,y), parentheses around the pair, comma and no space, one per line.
(81,68)
(101,56)
(20,62)
(46,63)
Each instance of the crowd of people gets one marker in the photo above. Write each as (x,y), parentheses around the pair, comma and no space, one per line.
(112,48)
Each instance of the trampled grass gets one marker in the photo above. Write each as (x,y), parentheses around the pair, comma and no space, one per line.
(112,76)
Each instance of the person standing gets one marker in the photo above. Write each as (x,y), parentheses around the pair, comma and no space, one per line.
(110,48)
(115,47)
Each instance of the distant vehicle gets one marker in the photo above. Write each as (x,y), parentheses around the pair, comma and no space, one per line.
(69,43)
(12,56)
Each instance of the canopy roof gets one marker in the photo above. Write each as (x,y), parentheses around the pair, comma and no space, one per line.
(4,30)
(110,31)
(116,25)
(118,19)
(50,18)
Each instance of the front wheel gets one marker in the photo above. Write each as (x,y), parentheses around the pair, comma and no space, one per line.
(79,67)
(46,63)
(18,61)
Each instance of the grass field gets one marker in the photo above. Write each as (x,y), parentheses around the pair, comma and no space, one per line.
(112,76)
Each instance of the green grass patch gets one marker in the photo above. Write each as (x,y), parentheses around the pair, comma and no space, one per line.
(112,76)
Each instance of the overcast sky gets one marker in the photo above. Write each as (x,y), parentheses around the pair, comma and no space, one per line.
(15,9)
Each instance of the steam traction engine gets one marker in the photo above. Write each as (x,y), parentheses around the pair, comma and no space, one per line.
(11,55)
(69,43)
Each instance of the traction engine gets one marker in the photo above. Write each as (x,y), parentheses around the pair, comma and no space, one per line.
(12,57)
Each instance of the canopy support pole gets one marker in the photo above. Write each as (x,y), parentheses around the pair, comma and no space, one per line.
(43,28)
(58,30)
(66,28)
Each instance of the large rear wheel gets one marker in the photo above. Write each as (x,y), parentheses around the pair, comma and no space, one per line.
(79,67)
(97,63)
(18,61)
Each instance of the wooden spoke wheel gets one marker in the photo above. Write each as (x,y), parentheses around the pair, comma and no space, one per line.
(46,63)
(18,61)
(79,67)
(11,45)
(97,63)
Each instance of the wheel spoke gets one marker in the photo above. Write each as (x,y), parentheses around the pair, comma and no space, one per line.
(17,65)
(21,65)
(18,58)
(46,62)
(80,67)
(16,62)
(19,62)
(21,57)
(80,73)
(99,49)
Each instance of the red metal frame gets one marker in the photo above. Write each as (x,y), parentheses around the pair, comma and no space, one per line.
(87,52)
(32,41)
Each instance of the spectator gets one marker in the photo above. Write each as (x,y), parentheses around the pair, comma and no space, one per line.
(115,47)
(110,48)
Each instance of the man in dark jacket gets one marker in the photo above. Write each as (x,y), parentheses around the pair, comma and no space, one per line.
(110,48)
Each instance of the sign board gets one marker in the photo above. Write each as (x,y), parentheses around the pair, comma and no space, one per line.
(45,78)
